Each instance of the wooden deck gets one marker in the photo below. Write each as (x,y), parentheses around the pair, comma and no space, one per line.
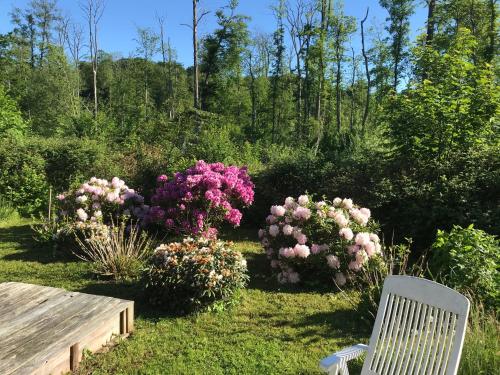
(44,330)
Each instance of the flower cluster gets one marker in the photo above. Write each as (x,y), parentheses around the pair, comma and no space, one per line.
(305,239)
(100,200)
(194,273)
(197,201)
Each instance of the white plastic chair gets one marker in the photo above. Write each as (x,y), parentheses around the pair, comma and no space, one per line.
(419,330)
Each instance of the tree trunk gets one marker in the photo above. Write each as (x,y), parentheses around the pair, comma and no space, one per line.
(353,79)
(367,72)
(430,21)
(491,50)
(195,56)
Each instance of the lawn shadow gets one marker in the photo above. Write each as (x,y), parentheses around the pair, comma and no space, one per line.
(132,291)
(341,323)
(28,250)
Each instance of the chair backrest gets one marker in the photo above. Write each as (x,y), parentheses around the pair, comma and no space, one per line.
(419,329)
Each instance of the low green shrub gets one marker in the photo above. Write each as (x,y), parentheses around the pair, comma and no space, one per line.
(194,274)
(7,210)
(467,259)
(22,177)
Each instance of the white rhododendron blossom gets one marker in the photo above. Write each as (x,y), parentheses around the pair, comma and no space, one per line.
(332,239)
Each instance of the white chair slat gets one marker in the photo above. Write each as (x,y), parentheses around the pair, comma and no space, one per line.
(414,328)
(419,330)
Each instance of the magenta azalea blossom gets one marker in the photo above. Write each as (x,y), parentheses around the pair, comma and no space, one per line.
(197,201)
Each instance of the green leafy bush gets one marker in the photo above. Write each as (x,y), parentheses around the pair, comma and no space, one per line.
(468,260)
(7,211)
(22,177)
(193,274)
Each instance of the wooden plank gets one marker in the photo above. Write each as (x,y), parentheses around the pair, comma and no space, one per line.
(44,330)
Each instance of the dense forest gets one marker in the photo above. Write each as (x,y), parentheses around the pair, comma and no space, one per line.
(408,127)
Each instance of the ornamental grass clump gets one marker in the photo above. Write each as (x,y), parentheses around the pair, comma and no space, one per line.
(117,250)
(198,201)
(318,241)
(194,274)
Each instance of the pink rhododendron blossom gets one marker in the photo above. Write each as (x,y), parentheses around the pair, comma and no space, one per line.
(346,234)
(274,230)
(287,230)
(287,252)
(81,199)
(337,245)
(302,213)
(302,239)
(82,215)
(354,266)
(340,219)
(340,279)
(301,251)
(361,257)
(366,212)
(315,249)
(278,211)
(303,200)
(60,197)
(290,203)
(353,249)
(271,219)
(370,248)
(347,203)
(262,233)
(320,205)
(362,238)
(203,196)
(333,261)
(331,212)
(293,277)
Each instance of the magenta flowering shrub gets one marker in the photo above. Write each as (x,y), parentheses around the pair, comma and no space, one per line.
(199,200)
(307,240)
(100,201)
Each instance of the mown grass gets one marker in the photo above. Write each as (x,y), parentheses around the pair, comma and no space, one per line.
(272,330)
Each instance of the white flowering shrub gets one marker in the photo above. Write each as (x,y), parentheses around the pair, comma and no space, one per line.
(100,200)
(88,211)
(193,274)
(317,241)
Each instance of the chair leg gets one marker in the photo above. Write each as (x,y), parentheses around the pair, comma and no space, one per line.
(334,370)
(343,368)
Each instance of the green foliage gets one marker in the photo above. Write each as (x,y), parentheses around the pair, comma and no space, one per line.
(22,177)
(11,120)
(468,260)
(194,274)
(7,211)
(453,108)
(481,346)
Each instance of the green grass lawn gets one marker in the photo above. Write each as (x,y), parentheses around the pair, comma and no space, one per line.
(273,330)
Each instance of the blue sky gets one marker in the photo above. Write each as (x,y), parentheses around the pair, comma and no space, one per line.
(122,17)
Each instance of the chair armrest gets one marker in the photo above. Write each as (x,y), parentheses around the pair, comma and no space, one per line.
(338,361)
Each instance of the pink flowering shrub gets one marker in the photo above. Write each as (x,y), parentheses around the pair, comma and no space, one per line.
(199,200)
(307,240)
(100,201)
